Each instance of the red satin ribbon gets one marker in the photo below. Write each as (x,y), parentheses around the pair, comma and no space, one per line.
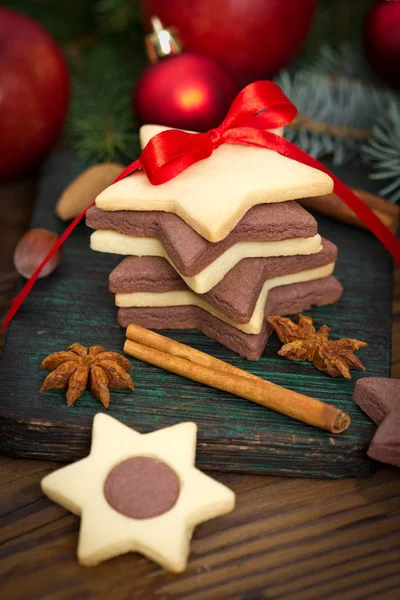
(259,106)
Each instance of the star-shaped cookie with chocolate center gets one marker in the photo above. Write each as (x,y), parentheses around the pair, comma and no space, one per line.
(138,493)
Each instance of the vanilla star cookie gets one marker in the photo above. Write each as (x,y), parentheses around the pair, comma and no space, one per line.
(138,492)
(213,194)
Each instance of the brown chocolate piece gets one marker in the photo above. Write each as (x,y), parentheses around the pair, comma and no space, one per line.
(154,274)
(141,487)
(385,445)
(377,396)
(284,300)
(188,250)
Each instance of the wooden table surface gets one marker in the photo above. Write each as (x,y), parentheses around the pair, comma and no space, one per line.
(288,538)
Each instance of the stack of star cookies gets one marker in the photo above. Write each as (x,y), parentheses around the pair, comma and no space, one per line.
(219,248)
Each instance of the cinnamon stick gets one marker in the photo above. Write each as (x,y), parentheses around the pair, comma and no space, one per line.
(165,344)
(290,403)
(333,207)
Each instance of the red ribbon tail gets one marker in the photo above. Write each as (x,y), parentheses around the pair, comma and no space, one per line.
(367,216)
(358,206)
(18,300)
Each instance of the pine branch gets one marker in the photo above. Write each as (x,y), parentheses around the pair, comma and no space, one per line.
(383,151)
(348,60)
(346,112)
(336,114)
(101,125)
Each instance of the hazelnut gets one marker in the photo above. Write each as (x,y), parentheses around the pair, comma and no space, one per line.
(31,250)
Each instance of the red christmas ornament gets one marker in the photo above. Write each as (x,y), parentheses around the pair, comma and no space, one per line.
(252,40)
(382,40)
(186,91)
(34,92)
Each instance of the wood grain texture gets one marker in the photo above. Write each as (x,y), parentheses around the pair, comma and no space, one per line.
(287,538)
(292,539)
(74,305)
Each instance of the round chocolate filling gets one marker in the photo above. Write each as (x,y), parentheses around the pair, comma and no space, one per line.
(141,487)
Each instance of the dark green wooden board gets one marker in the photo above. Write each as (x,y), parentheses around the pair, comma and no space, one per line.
(74,305)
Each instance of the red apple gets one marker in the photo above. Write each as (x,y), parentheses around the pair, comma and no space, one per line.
(252,40)
(34,93)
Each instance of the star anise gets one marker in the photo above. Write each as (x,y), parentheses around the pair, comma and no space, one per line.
(79,368)
(303,342)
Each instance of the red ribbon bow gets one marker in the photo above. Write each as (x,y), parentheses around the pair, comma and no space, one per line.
(259,106)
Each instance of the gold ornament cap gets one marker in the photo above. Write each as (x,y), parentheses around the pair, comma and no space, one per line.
(162,42)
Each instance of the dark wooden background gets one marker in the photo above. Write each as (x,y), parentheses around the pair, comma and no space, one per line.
(288,538)
(74,305)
